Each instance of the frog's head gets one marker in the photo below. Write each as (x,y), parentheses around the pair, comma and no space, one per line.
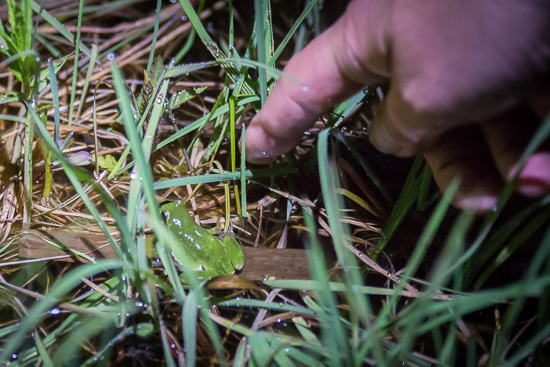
(165,209)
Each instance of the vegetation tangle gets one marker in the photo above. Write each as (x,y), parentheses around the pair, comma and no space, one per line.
(111,108)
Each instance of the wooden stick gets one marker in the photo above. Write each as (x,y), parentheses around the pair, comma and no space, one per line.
(259,263)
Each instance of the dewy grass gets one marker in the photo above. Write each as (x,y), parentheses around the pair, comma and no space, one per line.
(344,315)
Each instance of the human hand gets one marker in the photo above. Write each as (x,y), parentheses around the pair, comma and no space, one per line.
(469,81)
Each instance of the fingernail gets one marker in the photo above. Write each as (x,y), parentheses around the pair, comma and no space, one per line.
(534,178)
(532,186)
(477,203)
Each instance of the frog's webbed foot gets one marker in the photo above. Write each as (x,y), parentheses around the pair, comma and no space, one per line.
(235,252)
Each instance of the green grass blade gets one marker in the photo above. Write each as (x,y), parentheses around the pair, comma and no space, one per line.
(155,36)
(268,305)
(243,170)
(51,48)
(368,171)
(333,333)
(146,146)
(55,99)
(46,360)
(189,327)
(57,25)
(259,30)
(340,233)
(512,244)
(167,240)
(86,85)
(65,284)
(292,32)
(190,39)
(406,201)
(222,177)
(74,175)
(75,64)
(223,109)
(167,348)
(334,203)
(424,241)
(528,348)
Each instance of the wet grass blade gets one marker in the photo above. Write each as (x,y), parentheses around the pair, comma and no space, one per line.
(291,33)
(86,85)
(243,169)
(65,284)
(406,201)
(259,30)
(223,109)
(58,26)
(189,327)
(75,175)
(155,36)
(167,240)
(340,233)
(75,64)
(333,331)
(55,99)
(46,360)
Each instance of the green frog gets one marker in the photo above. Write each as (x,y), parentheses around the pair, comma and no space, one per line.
(209,256)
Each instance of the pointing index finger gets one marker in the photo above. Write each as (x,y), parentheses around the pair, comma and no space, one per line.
(330,69)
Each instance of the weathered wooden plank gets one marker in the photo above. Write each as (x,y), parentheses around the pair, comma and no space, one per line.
(259,262)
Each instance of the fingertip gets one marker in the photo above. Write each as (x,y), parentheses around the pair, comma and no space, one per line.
(259,157)
(257,145)
(399,130)
(380,137)
(534,178)
(262,146)
(462,155)
(479,203)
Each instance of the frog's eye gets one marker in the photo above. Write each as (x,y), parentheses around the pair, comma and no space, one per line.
(164,215)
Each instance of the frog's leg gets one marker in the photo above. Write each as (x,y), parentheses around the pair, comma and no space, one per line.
(202,276)
(234,251)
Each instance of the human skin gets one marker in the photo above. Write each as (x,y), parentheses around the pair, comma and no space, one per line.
(469,82)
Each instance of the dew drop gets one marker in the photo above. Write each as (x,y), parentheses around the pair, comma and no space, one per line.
(111,56)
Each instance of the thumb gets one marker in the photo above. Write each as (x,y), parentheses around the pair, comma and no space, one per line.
(341,61)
